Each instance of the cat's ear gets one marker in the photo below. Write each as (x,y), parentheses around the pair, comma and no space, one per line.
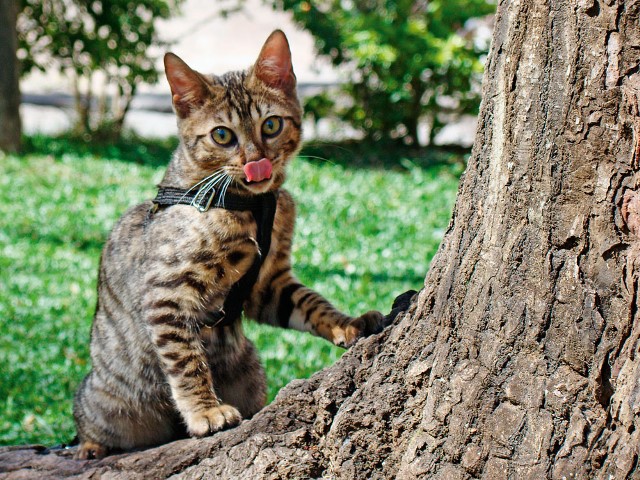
(188,89)
(274,63)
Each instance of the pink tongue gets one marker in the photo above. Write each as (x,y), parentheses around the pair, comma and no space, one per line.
(257,171)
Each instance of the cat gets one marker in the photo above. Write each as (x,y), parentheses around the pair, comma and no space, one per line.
(169,358)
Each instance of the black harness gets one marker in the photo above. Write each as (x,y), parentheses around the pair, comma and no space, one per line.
(263,209)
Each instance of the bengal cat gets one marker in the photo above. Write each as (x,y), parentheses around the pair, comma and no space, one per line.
(169,357)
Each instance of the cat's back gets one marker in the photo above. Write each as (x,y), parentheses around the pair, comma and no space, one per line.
(126,238)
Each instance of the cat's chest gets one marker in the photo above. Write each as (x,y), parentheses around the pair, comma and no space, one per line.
(190,232)
(225,244)
(217,246)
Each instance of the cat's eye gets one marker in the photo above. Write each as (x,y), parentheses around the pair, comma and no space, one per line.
(272,126)
(223,136)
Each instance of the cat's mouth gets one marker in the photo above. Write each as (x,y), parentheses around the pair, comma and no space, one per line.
(257,187)
(254,183)
(258,174)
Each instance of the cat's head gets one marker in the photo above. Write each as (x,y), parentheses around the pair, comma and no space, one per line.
(241,128)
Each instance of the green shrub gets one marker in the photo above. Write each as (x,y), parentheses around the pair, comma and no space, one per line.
(101,45)
(401,57)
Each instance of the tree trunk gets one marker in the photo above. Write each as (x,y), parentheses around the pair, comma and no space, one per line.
(519,357)
(10,126)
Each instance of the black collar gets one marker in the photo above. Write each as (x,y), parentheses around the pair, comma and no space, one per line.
(168,196)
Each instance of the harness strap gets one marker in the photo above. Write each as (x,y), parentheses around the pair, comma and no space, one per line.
(241,290)
(263,210)
(212,198)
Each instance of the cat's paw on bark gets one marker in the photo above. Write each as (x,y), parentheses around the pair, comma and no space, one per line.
(373,321)
(201,424)
(359,327)
(400,304)
(89,450)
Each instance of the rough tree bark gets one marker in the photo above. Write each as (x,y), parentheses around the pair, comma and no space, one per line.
(519,358)
(10,125)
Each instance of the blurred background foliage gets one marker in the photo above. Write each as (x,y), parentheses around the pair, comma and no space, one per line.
(406,63)
(402,58)
(103,45)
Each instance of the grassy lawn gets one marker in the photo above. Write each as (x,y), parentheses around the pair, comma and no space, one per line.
(363,236)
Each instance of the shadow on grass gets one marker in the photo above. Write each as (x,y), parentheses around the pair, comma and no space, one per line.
(311,271)
(143,151)
(362,155)
(79,240)
(157,152)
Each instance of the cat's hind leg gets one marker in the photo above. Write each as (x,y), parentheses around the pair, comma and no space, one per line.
(109,417)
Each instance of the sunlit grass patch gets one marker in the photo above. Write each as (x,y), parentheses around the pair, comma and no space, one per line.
(362,237)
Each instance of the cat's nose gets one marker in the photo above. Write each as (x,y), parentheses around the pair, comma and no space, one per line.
(252,155)
(252,158)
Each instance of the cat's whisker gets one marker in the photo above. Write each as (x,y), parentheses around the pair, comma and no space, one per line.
(229,182)
(224,191)
(217,172)
(205,189)
(214,179)
(317,158)
(206,179)
(211,184)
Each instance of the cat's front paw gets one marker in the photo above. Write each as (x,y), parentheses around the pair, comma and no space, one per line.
(400,304)
(89,450)
(362,326)
(213,420)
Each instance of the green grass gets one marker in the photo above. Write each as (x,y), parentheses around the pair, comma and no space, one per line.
(363,236)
